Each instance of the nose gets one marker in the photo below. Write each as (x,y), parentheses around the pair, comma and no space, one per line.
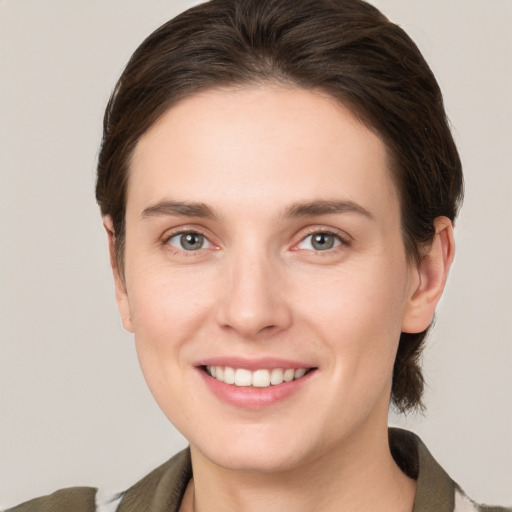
(253,302)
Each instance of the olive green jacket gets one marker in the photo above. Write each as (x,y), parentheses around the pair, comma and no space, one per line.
(162,490)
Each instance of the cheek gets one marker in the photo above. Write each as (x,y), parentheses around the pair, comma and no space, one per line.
(168,316)
(359,313)
(161,298)
(168,311)
(356,301)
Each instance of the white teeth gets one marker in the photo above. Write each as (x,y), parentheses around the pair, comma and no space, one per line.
(260,378)
(288,375)
(243,377)
(299,373)
(276,376)
(229,375)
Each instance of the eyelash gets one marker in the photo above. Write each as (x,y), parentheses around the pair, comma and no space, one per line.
(340,241)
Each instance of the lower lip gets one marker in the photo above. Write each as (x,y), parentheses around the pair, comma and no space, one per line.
(249,397)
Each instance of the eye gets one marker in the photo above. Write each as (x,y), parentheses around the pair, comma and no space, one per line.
(190,241)
(321,241)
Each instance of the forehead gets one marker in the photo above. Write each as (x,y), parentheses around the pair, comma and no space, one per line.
(260,144)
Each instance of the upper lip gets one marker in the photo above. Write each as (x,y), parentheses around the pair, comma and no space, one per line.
(268,363)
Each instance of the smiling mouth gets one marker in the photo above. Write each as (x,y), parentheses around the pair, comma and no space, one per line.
(262,378)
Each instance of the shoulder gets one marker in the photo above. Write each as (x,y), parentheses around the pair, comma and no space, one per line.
(77,499)
(465,504)
(162,490)
(159,491)
(436,490)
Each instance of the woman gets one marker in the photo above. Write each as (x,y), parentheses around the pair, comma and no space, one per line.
(278,184)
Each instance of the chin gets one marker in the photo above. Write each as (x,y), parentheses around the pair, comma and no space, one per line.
(255,459)
(256,450)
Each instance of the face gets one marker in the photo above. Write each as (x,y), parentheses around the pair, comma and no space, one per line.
(265,274)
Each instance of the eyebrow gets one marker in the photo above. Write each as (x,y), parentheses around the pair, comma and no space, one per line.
(295,210)
(323,207)
(179,209)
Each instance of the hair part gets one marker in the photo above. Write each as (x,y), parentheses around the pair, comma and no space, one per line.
(345,48)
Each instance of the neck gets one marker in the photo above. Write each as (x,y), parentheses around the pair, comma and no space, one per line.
(361,475)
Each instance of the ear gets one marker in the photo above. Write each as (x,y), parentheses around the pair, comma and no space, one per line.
(429,278)
(123,304)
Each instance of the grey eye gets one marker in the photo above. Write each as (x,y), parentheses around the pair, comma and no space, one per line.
(320,242)
(189,241)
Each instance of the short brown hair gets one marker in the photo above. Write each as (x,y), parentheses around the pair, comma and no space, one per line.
(346,48)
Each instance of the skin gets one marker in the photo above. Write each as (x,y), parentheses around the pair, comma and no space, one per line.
(258,287)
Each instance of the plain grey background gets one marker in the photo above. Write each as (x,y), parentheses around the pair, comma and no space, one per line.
(74,407)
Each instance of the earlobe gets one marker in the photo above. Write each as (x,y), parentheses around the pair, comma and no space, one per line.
(430,278)
(121,294)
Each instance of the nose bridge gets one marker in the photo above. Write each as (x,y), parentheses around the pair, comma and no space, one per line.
(253,301)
